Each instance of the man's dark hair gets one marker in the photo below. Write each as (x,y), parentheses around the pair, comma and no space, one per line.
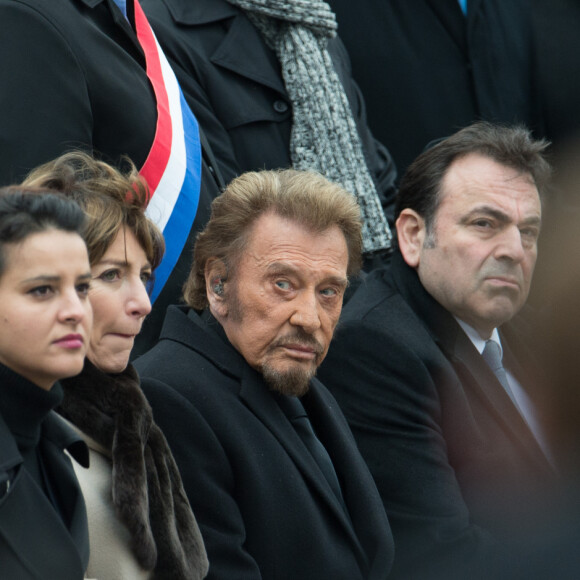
(512,146)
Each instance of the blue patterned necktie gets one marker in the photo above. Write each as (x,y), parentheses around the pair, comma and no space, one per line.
(492,356)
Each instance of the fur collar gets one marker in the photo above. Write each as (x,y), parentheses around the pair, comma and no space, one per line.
(147,490)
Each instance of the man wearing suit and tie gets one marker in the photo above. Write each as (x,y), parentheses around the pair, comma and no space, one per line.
(457,449)
(232,385)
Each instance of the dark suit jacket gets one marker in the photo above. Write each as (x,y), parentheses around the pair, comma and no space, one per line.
(453,459)
(263,506)
(425,70)
(558,58)
(233,83)
(73,76)
(35,544)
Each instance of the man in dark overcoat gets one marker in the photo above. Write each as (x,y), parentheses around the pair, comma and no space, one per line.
(449,428)
(268,462)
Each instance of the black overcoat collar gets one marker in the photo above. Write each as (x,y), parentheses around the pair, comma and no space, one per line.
(242,49)
(469,365)
(196,332)
(25,505)
(121,24)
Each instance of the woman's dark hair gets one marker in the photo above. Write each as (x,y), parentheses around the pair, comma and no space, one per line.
(26,211)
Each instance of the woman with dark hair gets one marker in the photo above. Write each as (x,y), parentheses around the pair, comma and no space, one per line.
(45,321)
(140,521)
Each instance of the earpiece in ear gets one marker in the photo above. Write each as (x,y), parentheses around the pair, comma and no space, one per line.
(218,287)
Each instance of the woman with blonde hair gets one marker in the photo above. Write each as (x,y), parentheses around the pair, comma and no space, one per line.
(140,521)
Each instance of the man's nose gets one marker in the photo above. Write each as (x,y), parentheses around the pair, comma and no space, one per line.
(510,245)
(306,312)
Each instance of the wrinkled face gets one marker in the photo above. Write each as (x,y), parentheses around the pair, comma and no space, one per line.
(45,314)
(282,304)
(120,302)
(480,260)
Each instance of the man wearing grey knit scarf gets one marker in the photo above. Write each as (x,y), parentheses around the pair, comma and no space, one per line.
(324,135)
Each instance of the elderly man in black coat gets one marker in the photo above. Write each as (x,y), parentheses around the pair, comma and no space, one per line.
(453,438)
(268,462)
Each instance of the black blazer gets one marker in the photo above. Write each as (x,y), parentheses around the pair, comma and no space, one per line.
(35,544)
(558,53)
(233,83)
(263,506)
(426,70)
(73,76)
(453,459)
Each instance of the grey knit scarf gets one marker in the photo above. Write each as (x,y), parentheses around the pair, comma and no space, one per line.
(324,134)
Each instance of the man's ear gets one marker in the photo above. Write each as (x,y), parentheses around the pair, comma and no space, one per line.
(411,234)
(215,280)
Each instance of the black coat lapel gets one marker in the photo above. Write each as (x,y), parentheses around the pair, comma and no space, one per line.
(54,554)
(122,32)
(473,370)
(260,401)
(336,437)
(58,552)
(473,13)
(449,14)
(57,437)
(242,50)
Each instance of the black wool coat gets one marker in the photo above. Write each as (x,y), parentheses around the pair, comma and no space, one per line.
(233,83)
(263,506)
(35,543)
(426,70)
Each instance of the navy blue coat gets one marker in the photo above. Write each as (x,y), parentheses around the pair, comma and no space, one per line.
(426,70)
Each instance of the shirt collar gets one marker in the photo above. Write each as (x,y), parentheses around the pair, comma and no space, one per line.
(475,337)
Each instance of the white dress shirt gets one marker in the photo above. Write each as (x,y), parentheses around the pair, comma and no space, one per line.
(523,402)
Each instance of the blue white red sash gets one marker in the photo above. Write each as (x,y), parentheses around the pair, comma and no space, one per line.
(173,167)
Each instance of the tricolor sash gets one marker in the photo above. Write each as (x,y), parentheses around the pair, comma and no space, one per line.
(173,167)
